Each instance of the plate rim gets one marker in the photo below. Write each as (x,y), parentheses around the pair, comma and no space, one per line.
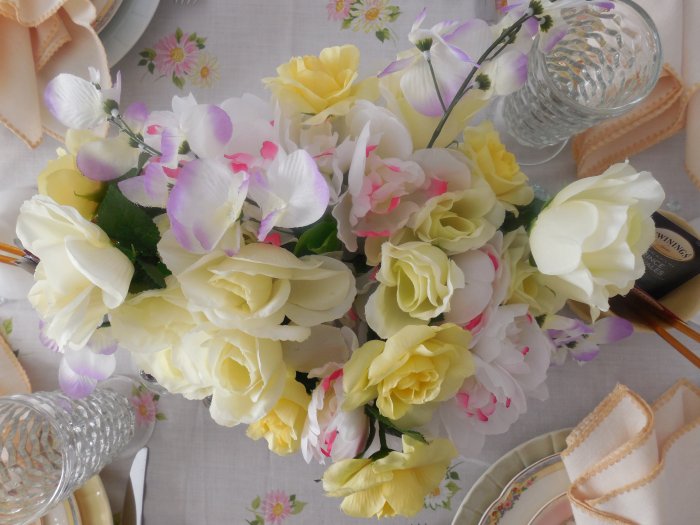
(108,36)
(81,493)
(483,507)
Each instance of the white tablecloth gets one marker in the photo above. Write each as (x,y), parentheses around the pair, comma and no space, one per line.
(200,473)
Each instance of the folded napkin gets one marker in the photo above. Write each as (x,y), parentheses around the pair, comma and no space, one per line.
(672,105)
(38,40)
(631,463)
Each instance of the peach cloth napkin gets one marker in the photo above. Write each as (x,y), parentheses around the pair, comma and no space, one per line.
(632,463)
(38,40)
(674,103)
(13,378)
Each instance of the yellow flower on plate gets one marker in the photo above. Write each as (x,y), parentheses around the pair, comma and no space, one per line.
(489,159)
(416,282)
(281,427)
(417,366)
(322,85)
(64,183)
(395,485)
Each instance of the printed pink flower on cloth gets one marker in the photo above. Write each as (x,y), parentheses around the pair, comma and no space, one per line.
(145,407)
(338,9)
(276,507)
(176,55)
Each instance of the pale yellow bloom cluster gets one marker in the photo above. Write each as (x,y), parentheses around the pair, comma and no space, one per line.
(393,485)
(321,86)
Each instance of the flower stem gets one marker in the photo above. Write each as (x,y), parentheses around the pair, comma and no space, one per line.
(435,83)
(118,121)
(486,55)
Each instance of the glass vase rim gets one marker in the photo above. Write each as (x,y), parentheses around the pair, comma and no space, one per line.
(624,107)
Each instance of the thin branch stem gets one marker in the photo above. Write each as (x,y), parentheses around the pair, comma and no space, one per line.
(435,83)
(504,37)
(124,128)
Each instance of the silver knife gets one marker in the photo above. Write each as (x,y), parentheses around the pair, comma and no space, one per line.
(132,512)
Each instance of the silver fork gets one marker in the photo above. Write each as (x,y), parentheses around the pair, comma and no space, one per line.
(185,2)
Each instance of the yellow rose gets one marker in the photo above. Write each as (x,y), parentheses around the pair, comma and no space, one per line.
(489,159)
(416,282)
(393,485)
(282,426)
(527,284)
(248,375)
(63,182)
(321,86)
(421,127)
(418,365)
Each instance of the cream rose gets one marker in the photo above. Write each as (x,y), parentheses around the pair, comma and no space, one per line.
(81,276)
(416,282)
(282,426)
(248,376)
(590,239)
(395,485)
(526,282)
(154,320)
(418,365)
(262,284)
(489,159)
(321,85)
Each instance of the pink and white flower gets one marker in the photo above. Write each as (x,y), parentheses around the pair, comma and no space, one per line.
(145,407)
(329,431)
(338,9)
(373,205)
(512,357)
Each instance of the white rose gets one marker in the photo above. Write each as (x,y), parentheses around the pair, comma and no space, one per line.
(154,320)
(262,284)
(81,276)
(590,239)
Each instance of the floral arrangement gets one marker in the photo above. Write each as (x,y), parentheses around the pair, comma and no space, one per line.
(370,283)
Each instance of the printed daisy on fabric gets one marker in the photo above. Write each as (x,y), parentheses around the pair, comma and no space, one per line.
(274,508)
(180,56)
(369,16)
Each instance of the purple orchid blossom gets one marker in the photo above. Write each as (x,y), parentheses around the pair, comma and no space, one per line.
(573,336)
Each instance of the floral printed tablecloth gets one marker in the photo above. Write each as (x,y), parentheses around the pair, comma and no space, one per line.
(201,473)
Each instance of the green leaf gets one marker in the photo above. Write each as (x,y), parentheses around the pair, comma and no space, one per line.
(143,62)
(298,506)
(160,416)
(321,237)
(452,486)
(153,273)
(346,23)
(178,35)
(526,216)
(127,223)
(383,34)
(292,497)
(256,503)
(151,67)
(178,81)
(148,53)
(192,37)
(453,475)
(7,326)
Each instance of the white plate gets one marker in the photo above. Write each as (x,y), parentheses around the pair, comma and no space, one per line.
(65,513)
(126,27)
(518,486)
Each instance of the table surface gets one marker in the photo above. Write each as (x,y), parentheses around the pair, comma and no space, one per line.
(201,473)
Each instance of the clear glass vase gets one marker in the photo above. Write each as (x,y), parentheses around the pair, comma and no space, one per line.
(51,444)
(606,63)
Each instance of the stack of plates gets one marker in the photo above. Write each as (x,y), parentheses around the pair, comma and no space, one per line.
(527,486)
(87,506)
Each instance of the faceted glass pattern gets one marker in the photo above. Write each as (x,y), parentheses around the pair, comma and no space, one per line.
(51,444)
